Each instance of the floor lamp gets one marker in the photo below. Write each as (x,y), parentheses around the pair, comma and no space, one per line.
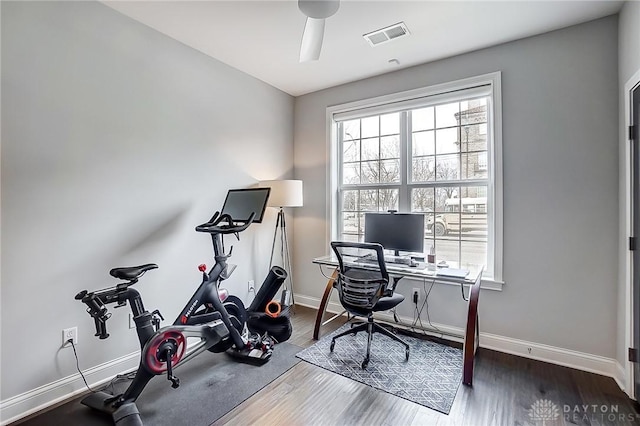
(284,193)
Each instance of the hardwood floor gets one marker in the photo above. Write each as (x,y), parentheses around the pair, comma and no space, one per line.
(504,391)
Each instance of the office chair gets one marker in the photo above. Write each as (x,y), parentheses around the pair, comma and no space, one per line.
(363,287)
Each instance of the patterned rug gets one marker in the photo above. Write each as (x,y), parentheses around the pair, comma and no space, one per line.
(431,377)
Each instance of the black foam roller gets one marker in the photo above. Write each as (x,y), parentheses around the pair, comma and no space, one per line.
(269,288)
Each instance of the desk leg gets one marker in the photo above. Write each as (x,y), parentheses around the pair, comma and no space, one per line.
(471,335)
(323,304)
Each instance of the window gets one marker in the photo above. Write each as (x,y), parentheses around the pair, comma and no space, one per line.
(435,151)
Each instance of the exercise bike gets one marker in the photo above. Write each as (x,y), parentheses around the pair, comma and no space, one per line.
(211,314)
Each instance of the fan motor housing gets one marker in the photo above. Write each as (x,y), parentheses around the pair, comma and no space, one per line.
(318,9)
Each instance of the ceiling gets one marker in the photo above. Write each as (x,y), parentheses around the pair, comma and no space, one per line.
(262,38)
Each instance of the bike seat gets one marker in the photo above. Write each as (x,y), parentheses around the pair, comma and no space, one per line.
(131,272)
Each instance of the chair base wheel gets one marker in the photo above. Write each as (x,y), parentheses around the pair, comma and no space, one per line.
(365,363)
(333,344)
(407,354)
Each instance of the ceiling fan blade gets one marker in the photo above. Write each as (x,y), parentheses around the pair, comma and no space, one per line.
(312,40)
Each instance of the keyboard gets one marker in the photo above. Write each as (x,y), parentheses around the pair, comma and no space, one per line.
(367,259)
(397,260)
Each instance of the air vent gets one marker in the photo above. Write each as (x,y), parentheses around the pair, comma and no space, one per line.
(384,35)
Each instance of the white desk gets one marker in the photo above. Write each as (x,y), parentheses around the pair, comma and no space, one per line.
(472,281)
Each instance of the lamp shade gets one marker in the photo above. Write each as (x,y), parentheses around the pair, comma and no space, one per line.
(284,193)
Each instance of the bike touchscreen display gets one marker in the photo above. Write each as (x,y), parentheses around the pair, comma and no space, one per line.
(240,203)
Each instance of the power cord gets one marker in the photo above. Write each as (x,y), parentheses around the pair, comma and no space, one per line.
(417,315)
(117,378)
(78,364)
(416,320)
(426,301)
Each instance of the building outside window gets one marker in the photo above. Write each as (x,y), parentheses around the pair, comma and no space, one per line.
(435,151)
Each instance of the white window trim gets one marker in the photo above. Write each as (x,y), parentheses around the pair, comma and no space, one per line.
(377,105)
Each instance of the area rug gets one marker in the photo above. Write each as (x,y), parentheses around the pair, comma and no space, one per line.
(431,377)
(211,385)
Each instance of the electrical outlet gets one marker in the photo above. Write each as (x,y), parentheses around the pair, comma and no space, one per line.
(415,295)
(69,333)
(251,286)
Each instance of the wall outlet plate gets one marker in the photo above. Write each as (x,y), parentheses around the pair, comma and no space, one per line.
(69,333)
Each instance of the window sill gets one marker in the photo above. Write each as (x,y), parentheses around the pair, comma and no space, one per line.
(491,284)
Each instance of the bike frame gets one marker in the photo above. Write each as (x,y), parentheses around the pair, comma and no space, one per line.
(203,316)
(207,294)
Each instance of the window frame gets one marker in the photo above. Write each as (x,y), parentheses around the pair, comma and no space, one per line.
(414,98)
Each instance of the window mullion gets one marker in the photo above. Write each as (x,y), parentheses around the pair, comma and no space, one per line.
(441,183)
(404,196)
(379,159)
(340,155)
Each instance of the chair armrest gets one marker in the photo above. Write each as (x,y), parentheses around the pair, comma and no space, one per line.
(393,283)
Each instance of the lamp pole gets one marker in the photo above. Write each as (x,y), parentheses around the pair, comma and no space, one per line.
(284,253)
(284,193)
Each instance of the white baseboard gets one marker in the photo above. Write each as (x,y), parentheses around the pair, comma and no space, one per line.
(552,354)
(538,351)
(314,302)
(37,399)
(621,378)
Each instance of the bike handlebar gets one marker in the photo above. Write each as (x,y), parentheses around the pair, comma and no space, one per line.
(216,226)
(97,310)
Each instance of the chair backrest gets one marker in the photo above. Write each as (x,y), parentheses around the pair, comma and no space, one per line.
(363,276)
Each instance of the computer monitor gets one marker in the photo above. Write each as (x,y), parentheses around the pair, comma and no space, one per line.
(395,231)
(240,203)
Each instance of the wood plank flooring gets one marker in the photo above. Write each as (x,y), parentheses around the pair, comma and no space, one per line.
(505,388)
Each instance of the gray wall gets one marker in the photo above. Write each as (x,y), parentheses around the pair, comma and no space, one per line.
(629,64)
(116,142)
(560,128)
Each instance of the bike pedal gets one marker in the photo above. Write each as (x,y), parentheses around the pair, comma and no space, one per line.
(175,382)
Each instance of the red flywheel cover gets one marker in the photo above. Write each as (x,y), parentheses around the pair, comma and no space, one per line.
(154,365)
